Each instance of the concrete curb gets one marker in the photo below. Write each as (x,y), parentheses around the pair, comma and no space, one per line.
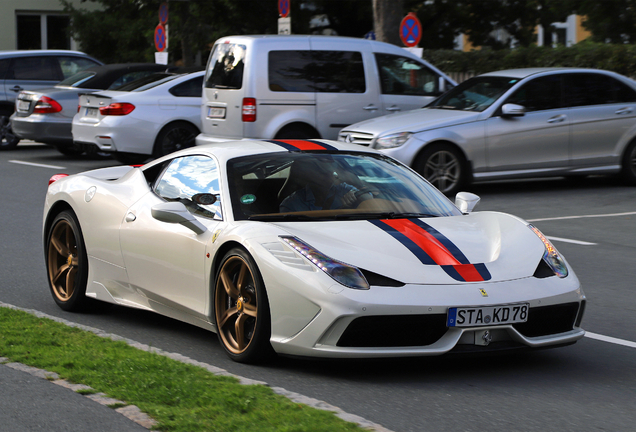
(130,409)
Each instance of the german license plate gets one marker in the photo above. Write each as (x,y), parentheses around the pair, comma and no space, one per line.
(23,105)
(216,112)
(91,112)
(487,315)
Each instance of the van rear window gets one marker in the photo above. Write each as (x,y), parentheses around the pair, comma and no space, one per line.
(316,71)
(225,68)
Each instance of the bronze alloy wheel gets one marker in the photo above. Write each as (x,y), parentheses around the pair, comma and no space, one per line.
(241,309)
(443,167)
(66,262)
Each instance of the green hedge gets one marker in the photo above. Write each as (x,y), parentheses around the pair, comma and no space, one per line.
(617,58)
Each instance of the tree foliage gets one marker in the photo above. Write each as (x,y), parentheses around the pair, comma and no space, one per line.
(611,21)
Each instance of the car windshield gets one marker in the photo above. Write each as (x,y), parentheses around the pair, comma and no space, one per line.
(147,82)
(77,79)
(475,94)
(309,186)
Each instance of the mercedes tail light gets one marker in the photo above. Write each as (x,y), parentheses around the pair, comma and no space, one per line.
(46,105)
(117,109)
(249,109)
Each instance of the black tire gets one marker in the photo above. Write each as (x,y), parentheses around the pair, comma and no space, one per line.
(67,263)
(173,137)
(444,167)
(296,132)
(130,158)
(241,309)
(8,140)
(628,171)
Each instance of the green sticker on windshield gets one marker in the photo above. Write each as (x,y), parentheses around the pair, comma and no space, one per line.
(248,199)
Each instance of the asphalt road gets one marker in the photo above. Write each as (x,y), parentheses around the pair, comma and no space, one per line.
(589,386)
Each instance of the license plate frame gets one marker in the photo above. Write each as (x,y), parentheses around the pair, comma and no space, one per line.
(487,316)
(91,112)
(23,105)
(216,112)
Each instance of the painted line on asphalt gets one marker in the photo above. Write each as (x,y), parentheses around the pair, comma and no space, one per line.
(293,396)
(611,340)
(36,164)
(578,242)
(583,216)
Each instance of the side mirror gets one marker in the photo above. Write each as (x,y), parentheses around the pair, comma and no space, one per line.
(176,212)
(466,201)
(513,110)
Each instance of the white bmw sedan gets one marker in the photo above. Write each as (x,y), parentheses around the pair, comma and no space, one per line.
(148,118)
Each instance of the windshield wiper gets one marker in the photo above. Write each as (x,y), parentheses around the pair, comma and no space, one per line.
(385,215)
(283,217)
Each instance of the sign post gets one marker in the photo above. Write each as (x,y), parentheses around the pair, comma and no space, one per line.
(161,35)
(284,20)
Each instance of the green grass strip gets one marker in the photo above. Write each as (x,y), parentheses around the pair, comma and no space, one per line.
(179,396)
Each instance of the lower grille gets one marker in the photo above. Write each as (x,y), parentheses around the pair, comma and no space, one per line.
(394,331)
(548,320)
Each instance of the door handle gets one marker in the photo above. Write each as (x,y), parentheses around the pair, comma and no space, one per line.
(393,108)
(557,119)
(16,88)
(370,108)
(625,110)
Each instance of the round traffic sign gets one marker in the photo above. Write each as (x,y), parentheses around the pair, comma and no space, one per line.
(283,8)
(160,38)
(163,13)
(410,30)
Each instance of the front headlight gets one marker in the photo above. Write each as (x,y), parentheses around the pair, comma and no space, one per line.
(342,273)
(551,255)
(393,140)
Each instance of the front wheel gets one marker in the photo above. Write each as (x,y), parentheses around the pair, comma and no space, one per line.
(241,309)
(8,140)
(444,167)
(67,263)
(629,164)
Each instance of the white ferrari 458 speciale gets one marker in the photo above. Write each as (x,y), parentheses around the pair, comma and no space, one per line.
(307,248)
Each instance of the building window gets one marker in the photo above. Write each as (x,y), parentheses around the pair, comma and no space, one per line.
(43,31)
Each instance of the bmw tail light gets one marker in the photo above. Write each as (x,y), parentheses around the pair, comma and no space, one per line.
(46,105)
(56,177)
(117,109)
(249,109)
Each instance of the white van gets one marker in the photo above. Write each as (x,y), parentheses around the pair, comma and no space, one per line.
(308,86)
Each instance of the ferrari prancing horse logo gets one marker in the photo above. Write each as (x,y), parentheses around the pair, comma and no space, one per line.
(483,292)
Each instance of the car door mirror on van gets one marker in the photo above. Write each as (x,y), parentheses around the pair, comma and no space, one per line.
(513,110)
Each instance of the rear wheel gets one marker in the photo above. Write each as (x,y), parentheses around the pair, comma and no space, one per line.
(67,263)
(241,309)
(444,167)
(8,140)
(175,136)
(629,164)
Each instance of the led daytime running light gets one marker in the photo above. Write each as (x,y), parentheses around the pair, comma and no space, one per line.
(342,273)
(551,256)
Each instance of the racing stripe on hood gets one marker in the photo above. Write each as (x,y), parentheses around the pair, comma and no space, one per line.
(296,145)
(433,248)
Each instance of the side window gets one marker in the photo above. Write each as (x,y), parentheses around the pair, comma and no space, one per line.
(190,88)
(225,68)
(4,67)
(72,65)
(404,76)
(34,68)
(316,71)
(194,181)
(540,94)
(595,89)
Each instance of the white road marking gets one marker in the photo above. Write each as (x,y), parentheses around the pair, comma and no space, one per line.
(37,164)
(583,216)
(611,340)
(578,242)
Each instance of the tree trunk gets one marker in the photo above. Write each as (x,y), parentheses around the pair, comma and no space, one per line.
(387,15)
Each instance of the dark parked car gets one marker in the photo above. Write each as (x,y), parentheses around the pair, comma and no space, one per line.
(46,115)
(28,70)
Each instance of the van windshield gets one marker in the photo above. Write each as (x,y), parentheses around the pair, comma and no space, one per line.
(225,68)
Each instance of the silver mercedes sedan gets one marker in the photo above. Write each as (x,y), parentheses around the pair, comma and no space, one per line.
(514,124)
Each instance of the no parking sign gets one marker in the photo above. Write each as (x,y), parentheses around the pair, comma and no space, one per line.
(410,30)
(160,38)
